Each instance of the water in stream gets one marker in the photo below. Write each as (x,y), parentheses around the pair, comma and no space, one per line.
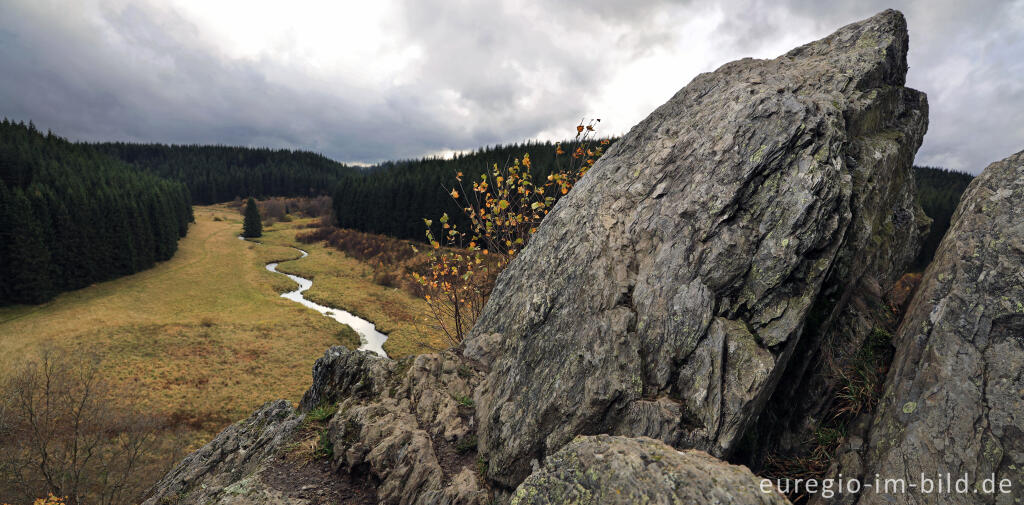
(372,340)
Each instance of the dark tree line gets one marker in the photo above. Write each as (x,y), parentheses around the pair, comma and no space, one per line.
(938,190)
(217,174)
(71,216)
(393,198)
(390,198)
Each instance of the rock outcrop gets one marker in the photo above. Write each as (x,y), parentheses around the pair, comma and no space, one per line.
(395,432)
(411,428)
(229,465)
(664,296)
(607,470)
(954,397)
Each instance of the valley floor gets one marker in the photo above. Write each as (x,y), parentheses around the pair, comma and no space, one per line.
(205,337)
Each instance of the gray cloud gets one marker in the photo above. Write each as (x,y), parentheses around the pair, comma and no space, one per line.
(478,72)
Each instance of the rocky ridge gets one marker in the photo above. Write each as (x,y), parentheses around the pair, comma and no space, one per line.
(391,432)
(610,470)
(664,296)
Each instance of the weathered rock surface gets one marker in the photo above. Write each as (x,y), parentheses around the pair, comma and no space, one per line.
(403,433)
(409,424)
(954,399)
(223,468)
(607,470)
(665,294)
(837,365)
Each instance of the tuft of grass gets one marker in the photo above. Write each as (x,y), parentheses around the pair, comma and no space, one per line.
(465,401)
(324,447)
(322,413)
(862,379)
(860,383)
(481,467)
(829,437)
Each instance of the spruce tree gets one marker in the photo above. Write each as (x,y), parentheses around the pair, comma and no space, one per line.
(252,227)
(30,279)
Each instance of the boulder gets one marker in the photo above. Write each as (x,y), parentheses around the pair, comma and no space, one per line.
(665,294)
(954,396)
(608,470)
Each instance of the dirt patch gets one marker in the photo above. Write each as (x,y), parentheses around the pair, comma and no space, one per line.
(316,481)
(455,456)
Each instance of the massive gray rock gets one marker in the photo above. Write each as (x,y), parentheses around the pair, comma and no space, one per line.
(665,294)
(607,470)
(954,398)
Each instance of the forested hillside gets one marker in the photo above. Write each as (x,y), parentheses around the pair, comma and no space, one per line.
(938,190)
(217,174)
(71,216)
(393,198)
(116,216)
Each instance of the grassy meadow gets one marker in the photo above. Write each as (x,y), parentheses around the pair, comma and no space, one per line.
(347,283)
(205,337)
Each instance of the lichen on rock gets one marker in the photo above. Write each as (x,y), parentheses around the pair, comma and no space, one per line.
(608,470)
(954,398)
(665,294)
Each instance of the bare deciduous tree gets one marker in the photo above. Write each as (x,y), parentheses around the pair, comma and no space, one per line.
(65,432)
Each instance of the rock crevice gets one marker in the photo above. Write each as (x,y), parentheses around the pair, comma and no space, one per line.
(953,402)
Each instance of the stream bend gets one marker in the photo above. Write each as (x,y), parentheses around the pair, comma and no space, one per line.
(371,339)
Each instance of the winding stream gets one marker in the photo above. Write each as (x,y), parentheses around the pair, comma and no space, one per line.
(372,340)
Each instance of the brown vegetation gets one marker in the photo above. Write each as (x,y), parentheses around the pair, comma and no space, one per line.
(393,260)
(281,209)
(903,291)
(65,431)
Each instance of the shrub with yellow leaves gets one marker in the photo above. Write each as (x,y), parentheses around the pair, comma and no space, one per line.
(504,207)
(49,500)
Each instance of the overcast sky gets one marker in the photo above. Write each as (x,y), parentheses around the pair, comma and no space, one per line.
(384,79)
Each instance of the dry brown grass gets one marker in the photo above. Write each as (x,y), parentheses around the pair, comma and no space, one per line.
(341,279)
(393,260)
(204,337)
